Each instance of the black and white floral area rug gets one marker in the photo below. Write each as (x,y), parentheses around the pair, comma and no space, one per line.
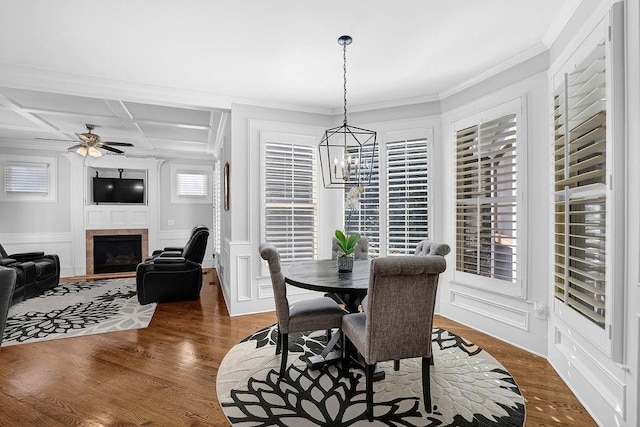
(468,387)
(75,309)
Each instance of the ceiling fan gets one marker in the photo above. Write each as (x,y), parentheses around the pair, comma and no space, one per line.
(92,143)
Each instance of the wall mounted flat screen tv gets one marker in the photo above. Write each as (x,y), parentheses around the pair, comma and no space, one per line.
(118,190)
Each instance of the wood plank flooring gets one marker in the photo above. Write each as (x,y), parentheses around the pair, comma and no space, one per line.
(166,374)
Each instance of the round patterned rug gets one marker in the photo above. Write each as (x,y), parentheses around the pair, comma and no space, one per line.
(468,387)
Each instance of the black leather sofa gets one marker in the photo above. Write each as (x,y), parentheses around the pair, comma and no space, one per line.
(36,272)
(173,275)
(8,278)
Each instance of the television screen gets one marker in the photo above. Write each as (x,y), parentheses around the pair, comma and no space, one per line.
(118,190)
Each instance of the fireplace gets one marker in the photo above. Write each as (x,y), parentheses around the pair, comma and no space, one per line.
(115,254)
(115,250)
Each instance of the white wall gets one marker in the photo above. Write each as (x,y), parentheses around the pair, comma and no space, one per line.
(506,314)
(40,226)
(245,282)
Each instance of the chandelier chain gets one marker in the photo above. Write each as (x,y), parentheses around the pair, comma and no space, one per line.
(344,59)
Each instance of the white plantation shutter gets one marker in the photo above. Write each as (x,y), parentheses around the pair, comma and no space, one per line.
(486,199)
(366,220)
(31,178)
(192,184)
(217,207)
(290,200)
(407,196)
(580,189)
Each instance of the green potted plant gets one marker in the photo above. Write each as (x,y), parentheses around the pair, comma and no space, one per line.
(347,246)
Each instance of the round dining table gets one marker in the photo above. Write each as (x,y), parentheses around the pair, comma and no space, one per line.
(323,276)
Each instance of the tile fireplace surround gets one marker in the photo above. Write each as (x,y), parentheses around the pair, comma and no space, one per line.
(115,232)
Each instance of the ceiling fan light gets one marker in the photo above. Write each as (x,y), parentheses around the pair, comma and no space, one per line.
(82,151)
(94,152)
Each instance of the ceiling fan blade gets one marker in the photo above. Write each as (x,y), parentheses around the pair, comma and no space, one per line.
(117,144)
(113,150)
(75,147)
(52,139)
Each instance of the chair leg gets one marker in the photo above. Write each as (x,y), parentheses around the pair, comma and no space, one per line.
(431,360)
(396,365)
(328,335)
(285,352)
(278,342)
(345,353)
(369,375)
(426,384)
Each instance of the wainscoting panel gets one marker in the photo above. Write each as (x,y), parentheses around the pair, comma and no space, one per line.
(243,269)
(489,308)
(117,217)
(140,217)
(95,218)
(60,244)
(265,291)
(172,238)
(578,362)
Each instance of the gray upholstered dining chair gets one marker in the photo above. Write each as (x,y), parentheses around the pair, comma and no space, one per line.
(398,319)
(306,315)
(426,247)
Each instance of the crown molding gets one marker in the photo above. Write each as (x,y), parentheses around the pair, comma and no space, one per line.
(523,56)
(401,102)
(560,22)
(29,78)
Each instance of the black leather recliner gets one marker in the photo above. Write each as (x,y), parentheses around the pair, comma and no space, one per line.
(36,272)
(180,249)
(8,278)
(172,275)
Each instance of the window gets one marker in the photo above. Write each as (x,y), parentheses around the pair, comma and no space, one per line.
(580,189)
(406,202)
(366,219)
(407,196)
(217,206)
(588,187)
(486,199)
(191,183)
(32,180)
(27,178)
(290,200)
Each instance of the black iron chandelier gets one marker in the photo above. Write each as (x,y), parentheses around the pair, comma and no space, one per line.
(346,152)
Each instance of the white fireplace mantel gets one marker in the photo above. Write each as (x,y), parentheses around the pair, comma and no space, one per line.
(89,216)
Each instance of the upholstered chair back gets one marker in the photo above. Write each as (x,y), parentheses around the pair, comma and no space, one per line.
(399,313)
(196,246)
(7,285)
(426,247)
(269,253)
(198,228)
(361,252)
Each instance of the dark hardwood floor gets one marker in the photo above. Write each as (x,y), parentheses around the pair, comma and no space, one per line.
(166,374)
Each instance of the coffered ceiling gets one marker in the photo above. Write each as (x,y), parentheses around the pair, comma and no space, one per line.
(164,74)
(45,120)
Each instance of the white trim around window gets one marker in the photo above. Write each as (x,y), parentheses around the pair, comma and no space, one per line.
(35,179)
(466,120)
